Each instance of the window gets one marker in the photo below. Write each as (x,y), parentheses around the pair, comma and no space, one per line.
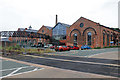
(75,37)
(111,37)
(103,38)
(107,39)
(89,38)
(42,31)
(81,25)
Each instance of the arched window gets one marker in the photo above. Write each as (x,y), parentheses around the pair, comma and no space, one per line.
(111,37)
(75,37)
(89,38)
(103,38)
(107,39)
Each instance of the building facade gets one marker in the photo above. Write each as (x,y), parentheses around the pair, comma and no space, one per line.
(87,32)
(81,32)
(47,30)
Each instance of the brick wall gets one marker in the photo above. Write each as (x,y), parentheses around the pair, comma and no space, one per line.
(89,26)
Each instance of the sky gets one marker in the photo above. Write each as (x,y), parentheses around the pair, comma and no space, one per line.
(16,14)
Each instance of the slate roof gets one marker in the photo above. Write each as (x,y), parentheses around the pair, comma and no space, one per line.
(63,24)
(48,27)
(28,30)
(22,29)
(31,30)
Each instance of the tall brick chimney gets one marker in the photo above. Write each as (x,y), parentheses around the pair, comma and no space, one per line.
(56,19)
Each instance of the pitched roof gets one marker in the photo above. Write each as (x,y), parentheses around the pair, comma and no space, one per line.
(31,30)
(48,27)
(28,30)
(22,29)
(63,24)
(97,23)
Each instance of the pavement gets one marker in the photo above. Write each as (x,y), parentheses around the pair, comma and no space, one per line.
(102,64)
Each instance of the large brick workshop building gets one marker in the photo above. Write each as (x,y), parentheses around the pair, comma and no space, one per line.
(83,32)
(87,32)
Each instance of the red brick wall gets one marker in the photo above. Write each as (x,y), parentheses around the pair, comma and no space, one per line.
(89,26)
(46,32)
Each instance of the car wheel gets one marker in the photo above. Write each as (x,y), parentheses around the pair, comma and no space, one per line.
(56,50)
(61,49)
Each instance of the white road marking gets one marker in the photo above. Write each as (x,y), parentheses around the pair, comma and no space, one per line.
(36,69)
(15,68)
(14,71)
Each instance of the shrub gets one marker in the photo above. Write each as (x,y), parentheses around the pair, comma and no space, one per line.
(10,48)
(97,48)
(111,46)
(17,47)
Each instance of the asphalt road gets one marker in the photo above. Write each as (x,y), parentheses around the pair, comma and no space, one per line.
(76,66)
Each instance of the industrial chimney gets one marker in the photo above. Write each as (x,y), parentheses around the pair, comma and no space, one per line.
(56,18)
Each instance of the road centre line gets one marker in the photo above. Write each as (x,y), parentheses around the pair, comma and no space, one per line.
(72,60)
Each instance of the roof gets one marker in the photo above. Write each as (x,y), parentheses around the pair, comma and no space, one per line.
(66,25)
(30,27)
(28,30)
(63,24)
(31,30)
(98,24)
(22,29)
(48,27)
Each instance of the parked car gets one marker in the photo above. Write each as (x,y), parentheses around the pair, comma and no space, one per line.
(47,46)
(73,47)
(39,45)
(52,47)
(85,47)
(33,45)
(62,48)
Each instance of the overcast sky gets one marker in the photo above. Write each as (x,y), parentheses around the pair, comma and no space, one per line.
(16,14)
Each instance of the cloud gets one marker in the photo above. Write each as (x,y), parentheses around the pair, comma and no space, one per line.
(22,13)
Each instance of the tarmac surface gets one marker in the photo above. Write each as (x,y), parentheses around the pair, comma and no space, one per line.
(10,68)
(62,66)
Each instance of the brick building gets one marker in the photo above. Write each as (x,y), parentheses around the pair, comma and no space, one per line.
(47,30)
(87,32)
(83,32)
(25,41)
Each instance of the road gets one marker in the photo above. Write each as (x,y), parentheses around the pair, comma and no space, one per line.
(107,67)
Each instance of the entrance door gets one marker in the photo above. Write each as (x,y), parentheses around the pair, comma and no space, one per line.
(75,40)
